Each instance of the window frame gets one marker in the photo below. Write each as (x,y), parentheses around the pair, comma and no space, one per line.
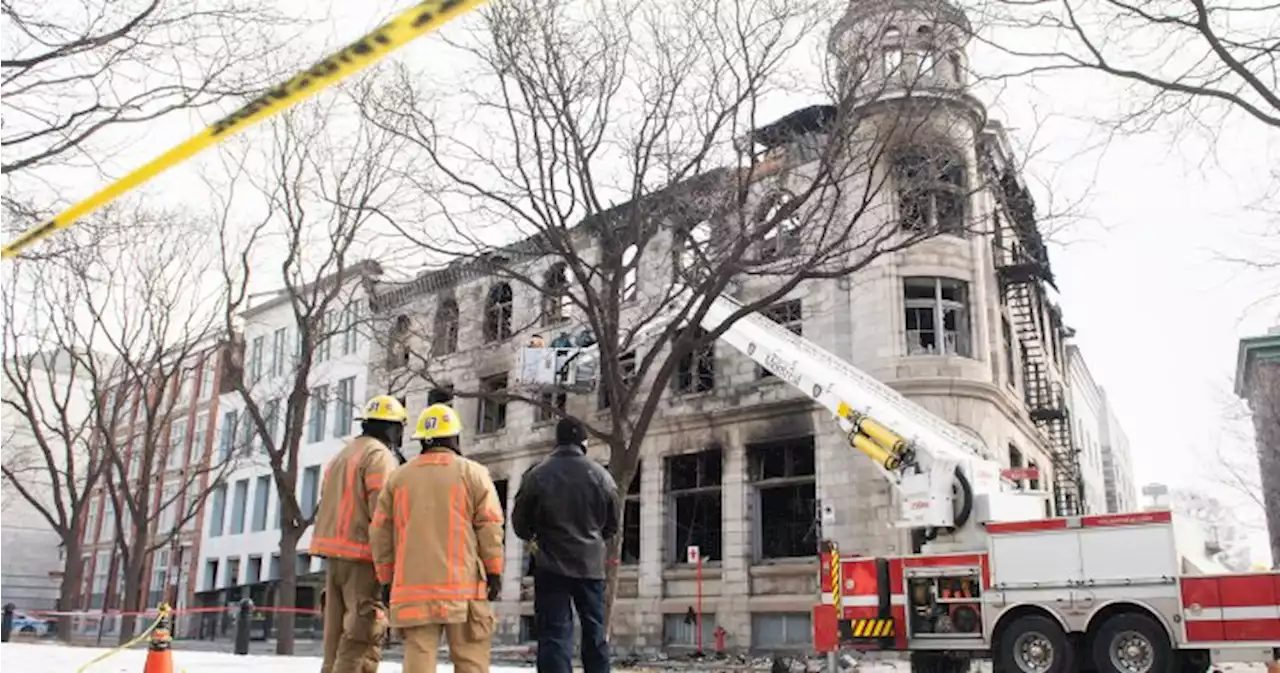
(689,378)
(676,547)
(486,401)
(499,313)
(938,308)
(791,479)
(318,414)
(444,341)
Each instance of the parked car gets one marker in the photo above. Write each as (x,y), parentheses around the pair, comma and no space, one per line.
(32,626)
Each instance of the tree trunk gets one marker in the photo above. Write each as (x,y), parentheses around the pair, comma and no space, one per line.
(71,585)
(614,560)
(132,599)
(287,591)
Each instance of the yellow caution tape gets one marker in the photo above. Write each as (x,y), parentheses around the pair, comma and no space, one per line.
(120,648)
(399,31)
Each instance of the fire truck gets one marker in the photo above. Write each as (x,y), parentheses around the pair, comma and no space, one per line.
(989,578)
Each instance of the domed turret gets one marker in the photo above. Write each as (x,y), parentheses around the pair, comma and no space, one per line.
(891,47)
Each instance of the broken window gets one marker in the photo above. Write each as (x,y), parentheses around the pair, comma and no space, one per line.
(630,272)
(696,372)
(445,339)
(493,404)
(937,316)
(497,313)
(398,352)
(1010,365)
(931,192)
(693,487)
(789,315)
(782,473)
(783,233)
(544,412)
(555,298)
(957,67)
(627,365)
(631,520)
(693,256)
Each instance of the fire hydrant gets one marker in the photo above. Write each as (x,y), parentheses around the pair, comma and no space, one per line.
(720,635)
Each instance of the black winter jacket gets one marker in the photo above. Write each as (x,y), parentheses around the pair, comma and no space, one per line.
(567,504)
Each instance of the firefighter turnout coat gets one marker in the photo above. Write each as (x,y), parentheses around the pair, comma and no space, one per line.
(436,534)
(349,497)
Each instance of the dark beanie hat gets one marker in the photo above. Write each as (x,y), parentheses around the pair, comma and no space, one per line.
(570,431)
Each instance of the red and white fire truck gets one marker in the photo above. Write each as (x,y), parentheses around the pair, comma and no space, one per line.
(1124,593)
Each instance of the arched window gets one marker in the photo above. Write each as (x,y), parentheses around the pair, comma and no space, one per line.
(957,67)
(445,336)
(931,190)
(630,272)
(497,313)
(892,41)
(555,297)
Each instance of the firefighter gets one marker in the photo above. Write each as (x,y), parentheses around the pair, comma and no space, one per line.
(354,612)
(437,540)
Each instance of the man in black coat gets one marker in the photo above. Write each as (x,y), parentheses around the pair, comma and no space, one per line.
(567,505)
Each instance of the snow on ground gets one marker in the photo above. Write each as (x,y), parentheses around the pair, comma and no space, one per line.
(50,658)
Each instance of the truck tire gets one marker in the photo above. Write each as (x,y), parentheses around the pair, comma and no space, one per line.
(1035,644)
(1132,642)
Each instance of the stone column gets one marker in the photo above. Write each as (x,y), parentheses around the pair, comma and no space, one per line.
(1258,382)
(653,509)
(731,607)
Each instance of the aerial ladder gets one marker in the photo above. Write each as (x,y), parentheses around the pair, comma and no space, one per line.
(947,487)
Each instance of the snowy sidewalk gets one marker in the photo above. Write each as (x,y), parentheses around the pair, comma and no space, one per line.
(50,658)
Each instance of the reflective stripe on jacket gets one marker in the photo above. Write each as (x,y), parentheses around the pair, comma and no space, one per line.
(349,496)
(436,533)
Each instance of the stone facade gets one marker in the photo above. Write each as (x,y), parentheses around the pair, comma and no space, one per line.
(967,368)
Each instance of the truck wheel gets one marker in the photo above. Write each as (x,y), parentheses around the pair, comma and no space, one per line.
(1035,644)
(1132,643)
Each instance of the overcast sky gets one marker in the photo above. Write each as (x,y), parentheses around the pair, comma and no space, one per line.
(1157,311)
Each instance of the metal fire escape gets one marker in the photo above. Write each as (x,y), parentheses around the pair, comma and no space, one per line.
(1022,267)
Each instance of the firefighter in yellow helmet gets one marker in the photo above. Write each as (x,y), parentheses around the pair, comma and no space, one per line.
(355,620)
(437,540)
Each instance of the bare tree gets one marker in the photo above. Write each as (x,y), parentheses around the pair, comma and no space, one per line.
(49,402)
(73,70)
(1196,58)
(112,336)
(576,108)
(316,203)
(157,325)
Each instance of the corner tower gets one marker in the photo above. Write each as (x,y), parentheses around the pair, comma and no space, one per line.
(892,48)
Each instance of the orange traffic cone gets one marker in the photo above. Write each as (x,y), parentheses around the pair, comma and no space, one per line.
(159,656)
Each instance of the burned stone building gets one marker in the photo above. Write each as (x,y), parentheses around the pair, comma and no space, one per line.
(737,461)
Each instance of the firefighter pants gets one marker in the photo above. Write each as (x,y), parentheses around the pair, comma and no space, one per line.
(470,643)
(355,619)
